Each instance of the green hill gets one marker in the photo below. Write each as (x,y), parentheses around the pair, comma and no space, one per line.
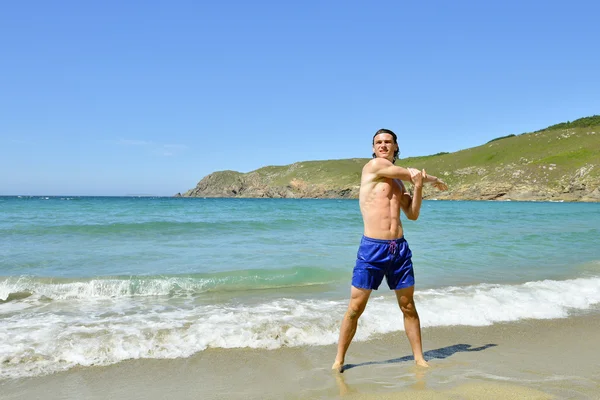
(561,162)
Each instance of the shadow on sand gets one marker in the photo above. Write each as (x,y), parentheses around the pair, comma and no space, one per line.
(441,353)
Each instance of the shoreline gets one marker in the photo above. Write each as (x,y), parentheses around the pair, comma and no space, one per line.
(559,199)
(430,198)
(525,359)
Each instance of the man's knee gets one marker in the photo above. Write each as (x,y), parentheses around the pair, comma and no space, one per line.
(354,311)
(408,309)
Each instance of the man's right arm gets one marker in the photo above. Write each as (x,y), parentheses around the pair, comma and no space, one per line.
(437,182)
(380,167)
(383,168)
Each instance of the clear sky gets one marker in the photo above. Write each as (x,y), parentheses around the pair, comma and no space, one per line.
(147,97)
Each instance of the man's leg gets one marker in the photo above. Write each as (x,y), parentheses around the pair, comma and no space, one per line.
(358,302)
(412,324)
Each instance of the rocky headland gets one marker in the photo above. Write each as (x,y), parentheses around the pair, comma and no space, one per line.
(559,163)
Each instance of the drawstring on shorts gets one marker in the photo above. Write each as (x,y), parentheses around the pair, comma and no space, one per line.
(392,247)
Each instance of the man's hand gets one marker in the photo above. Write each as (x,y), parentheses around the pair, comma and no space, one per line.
(440,185)
(436,182)
(416,176)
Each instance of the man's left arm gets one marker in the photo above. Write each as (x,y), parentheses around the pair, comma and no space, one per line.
(411,205)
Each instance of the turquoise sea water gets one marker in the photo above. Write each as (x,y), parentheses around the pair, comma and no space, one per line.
(97,280)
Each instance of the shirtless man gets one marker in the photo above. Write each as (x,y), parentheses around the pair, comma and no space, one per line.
(383,250)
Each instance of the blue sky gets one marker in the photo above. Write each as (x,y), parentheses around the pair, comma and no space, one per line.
(132,97)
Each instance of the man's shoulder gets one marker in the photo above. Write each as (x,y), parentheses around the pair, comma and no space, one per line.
(376,163)
(370,172)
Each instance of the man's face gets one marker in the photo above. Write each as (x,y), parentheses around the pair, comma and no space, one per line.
(384,146)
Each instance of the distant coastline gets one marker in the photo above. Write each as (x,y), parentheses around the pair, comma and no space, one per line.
(558,163)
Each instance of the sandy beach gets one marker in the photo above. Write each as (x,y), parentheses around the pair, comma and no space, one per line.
(533,359)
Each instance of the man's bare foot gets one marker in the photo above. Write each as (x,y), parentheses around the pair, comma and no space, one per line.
(338,366)
(422,363)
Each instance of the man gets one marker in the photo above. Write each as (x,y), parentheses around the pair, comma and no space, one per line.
(383,249)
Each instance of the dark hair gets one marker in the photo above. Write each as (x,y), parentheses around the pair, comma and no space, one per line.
(397,152)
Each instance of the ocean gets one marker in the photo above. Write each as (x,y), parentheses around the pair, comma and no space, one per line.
(99,280)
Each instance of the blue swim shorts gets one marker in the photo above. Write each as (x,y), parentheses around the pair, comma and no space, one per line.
(377,258)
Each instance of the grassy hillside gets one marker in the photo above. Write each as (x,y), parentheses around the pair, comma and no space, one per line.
(551,156)
(330,172)
(562,160)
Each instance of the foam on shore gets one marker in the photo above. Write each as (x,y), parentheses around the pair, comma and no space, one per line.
(40,335)
(538,359)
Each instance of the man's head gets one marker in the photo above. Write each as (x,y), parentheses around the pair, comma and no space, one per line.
(385,145)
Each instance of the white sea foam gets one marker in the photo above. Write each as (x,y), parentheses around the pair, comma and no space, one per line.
(104,288)
(100,331)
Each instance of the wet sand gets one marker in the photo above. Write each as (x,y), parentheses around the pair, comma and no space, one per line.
(533,359)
